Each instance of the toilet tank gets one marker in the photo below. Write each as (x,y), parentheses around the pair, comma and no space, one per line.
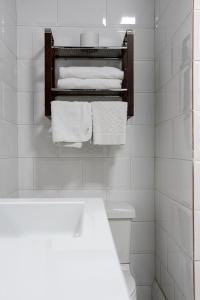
(120,215)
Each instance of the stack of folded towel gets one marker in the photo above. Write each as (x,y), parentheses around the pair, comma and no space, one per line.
(102,123)
(90,78)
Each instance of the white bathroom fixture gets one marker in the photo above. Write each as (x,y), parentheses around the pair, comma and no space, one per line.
(120,215)
(58,249)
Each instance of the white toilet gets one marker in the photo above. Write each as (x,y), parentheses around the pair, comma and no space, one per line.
(120,215)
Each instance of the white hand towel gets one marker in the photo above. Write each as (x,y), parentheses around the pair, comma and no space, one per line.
(71,123)
(109,122)
(91,72)
(96,84)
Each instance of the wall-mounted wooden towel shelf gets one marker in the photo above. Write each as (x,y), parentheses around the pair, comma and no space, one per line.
(123,53)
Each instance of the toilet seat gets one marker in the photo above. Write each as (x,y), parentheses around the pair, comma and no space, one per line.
(130,281)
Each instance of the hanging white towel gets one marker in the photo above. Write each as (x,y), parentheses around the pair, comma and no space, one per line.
(91,72)
(97,84)
(71,123)
(109,122)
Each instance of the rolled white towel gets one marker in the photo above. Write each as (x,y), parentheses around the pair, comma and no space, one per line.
(91,72)
(96,84)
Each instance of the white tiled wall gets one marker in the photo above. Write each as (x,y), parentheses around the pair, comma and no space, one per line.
(196,107)
(8,99)
(115,173)
(174,165)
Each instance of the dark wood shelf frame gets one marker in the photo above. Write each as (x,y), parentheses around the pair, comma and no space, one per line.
(125,53)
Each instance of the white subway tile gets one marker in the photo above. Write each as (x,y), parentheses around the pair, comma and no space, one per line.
(167,283)
(161,246)
(107,172)
(9,103)
(39,117)
(142,237)
(196,185)
(196,135)
(182,52)
(157,269)
(142,266)
(82,194)
(165,139)
(180,266)
(38,43)
(24,42)
(1,100)
(25,173)
(57,173)
(8,175)
(8,20)
(139,13)
(36,141)
(144,109)
(39,12)
(156,292)
(178,294)
(8,136)
(174,178)
(169,101)
(197,280)
(8,67)
(144,135)
(25,108)
(163,5)
(183,136)
(176,220)
(144,81)
(143,292)
(78,13)
(142,173)
(30,75)
(8,12)
(45,194)
(144,44)
(87,150)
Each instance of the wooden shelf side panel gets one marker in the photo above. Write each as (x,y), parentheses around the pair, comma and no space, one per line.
(128,66)
(49,70)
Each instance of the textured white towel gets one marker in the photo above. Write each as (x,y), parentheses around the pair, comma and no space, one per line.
(97,84)
(109,122)
(71,122)
(91,72)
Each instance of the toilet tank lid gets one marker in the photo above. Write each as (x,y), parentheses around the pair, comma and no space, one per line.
(119,210)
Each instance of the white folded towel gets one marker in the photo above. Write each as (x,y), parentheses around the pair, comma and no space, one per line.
(96,84)
(109,122)
(91,72)
(71,122)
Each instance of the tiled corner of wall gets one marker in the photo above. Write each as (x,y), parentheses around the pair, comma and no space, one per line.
(174,156)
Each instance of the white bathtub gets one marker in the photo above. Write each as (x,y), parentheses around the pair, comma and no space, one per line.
(48,219)
(54,249)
